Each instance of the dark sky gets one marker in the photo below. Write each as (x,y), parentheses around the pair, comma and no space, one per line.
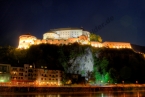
(38,16)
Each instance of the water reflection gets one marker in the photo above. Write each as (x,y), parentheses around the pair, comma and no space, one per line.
(98,94)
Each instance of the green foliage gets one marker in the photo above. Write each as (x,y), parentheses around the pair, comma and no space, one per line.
(113,75)
(103,65)
(124,64)
(100,70)
(97,75)
(107,77)
(94,37)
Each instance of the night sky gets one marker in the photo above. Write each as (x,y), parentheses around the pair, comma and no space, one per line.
(127,23)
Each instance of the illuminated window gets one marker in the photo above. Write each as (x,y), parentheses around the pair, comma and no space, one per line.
(30,66)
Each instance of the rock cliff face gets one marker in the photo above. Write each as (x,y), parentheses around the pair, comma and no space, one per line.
(82,64)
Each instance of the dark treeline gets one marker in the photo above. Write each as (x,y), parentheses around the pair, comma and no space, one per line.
(115,65)
(124,65)
(52,56)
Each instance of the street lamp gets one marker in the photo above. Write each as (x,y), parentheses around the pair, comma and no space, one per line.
(108,81)
(136,82)
(123,83)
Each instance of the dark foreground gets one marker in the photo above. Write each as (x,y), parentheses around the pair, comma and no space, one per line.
(66,89)
(97,94)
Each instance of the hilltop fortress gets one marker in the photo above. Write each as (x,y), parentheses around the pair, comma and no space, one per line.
(67,36)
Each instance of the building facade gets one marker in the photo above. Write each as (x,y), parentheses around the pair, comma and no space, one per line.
(29,75)
(26,40)
(65,33)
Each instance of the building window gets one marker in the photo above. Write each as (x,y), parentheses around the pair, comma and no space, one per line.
(21,74)
(14,68)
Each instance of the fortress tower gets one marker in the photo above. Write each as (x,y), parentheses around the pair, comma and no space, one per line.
(26,40)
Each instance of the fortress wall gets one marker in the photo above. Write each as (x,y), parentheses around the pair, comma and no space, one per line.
(38,41)
(26,40)
(116,45)
(96,44)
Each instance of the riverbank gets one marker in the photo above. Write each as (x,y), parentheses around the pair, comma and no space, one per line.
(68,89)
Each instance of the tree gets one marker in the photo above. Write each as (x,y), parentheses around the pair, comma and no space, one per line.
(113,75)
(94,37)
(125,72)
(103,65)
(96,75)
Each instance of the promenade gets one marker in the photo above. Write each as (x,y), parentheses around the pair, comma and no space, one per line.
(71,88)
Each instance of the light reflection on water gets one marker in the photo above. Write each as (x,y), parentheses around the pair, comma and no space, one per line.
(98,94)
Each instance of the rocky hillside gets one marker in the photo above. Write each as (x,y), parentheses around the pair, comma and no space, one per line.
(82,64)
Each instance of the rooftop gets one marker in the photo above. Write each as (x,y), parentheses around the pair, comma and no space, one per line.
(66,29)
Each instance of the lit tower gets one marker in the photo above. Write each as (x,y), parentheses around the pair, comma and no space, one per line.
(26,40)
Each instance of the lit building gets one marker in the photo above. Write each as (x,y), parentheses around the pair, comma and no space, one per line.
(96,44)
(23,74)
(56,36)
(26,40)
(117,45)
(65,33)
(49,77)
(67,36)
(39,76)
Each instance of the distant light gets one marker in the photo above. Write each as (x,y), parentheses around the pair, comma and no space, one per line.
(30,66)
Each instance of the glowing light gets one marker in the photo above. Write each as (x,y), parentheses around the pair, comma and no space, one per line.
(4,77)
(30,66)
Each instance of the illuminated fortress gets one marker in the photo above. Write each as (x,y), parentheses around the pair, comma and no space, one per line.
(67,36)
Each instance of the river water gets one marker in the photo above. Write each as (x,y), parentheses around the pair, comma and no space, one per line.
(98,94)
